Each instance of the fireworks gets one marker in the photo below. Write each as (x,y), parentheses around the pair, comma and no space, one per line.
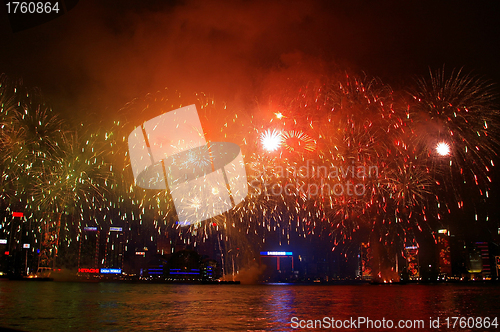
(345,159)
(358,123)
(295,140)
(458,109)
(271,140)
(443,149)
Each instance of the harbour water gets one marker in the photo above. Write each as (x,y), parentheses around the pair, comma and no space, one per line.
(65,306)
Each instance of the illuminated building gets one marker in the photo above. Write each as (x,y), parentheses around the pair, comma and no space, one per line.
(444,257)
(474,262)
(478,261)
(366,268)
(49,244)
(210,270)
(114,248)
(19,244)
(88,251)
(412,262)
(156,269)
(278,255)
(184,265)
(497,264)
(483,248)
(280,265)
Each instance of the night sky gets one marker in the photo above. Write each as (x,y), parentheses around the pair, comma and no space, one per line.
(102,54)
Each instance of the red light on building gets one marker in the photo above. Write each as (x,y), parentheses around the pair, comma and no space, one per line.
(83,270)
(17,214)
(366,261)
(444,258)
(7,253)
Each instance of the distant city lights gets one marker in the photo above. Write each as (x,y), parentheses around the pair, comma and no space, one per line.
(276,253)
(111,271)
(84,270)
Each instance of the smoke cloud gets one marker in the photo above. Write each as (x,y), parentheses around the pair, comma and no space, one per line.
(102,54)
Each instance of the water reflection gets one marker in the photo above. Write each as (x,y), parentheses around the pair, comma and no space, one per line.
(280,306)
(50,306)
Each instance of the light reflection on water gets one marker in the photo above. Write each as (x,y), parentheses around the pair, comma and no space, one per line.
(58,306)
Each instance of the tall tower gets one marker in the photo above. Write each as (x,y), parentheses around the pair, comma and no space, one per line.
(366,255)
(412,262)
(51,225)
(483,247)
(88,251)
(20,244)
(115,248)
(444,257)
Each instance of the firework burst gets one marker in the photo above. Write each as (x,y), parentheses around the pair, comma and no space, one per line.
(461,111)
(341,157)
(271,140)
